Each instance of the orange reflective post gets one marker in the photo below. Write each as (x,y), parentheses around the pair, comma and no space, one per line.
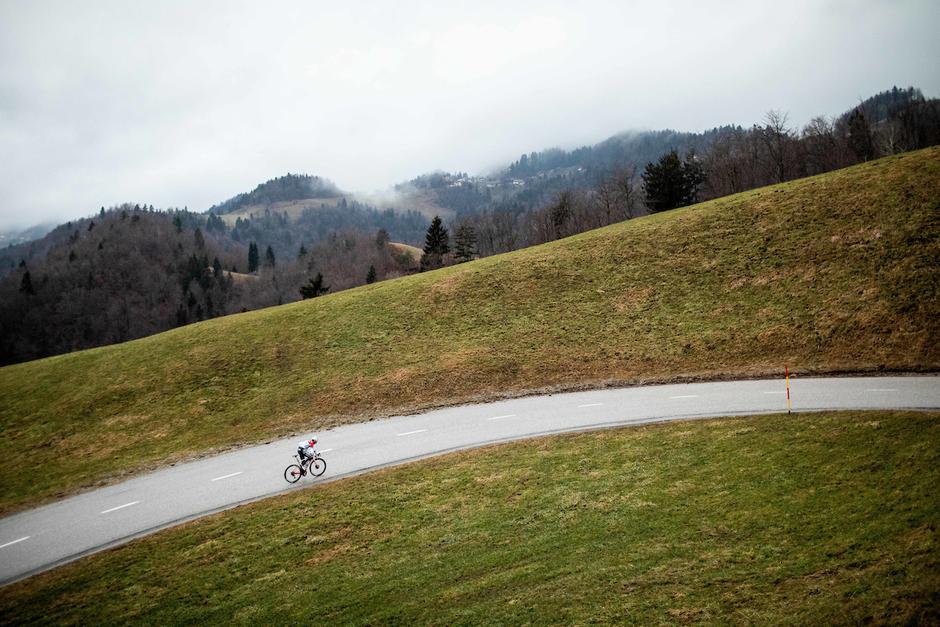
(787,370)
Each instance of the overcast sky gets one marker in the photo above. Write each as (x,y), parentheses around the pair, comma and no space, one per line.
(189,103)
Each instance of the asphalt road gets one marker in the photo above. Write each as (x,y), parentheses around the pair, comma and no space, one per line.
(51,535)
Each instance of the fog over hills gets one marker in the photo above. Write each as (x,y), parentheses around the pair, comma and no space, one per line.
(182,105)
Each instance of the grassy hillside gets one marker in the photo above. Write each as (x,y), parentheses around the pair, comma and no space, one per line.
(293,208)
(422,201)
(413,252)
(815,519)
(831,273)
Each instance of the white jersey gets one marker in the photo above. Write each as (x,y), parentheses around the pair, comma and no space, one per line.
(304,444)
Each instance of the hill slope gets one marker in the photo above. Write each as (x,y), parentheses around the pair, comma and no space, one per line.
(283,188)
(818,519)
(835,272)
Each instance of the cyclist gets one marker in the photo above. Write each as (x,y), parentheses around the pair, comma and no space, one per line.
(305,450)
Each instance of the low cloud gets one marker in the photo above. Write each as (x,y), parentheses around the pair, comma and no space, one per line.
(182,104)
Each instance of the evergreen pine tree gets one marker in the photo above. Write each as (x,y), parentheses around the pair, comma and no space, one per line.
(215,223)
(199,239)
(26,284)
(465,241)
(370,277)
(252,257)
(561,212)
(269,257)
(693,175)
(436,245)
(436,240)
(672,182)
(381,238)
(314,287)
(302,252)
(860,138)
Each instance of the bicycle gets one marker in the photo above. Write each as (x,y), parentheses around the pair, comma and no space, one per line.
(315,465)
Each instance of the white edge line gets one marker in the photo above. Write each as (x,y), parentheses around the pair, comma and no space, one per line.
(412,432)
(500,417)
(234,474)
(776,392)
(114,509)
(3,546)
(685,396)
(326,450)
(882,390)
(591,405)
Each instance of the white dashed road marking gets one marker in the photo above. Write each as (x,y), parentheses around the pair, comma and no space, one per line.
(234,474)
(326,450)
(66,530)
(591,405)
(114,509)
(3,546)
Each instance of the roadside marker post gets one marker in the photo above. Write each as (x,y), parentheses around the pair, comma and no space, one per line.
(787,371)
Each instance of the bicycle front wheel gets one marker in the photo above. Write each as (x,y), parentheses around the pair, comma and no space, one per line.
(293,473)
(317,466)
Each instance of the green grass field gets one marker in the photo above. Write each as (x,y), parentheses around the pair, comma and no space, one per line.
(811,519)
(832,273)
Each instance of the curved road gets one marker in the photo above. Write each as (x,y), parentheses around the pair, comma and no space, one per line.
(51,535)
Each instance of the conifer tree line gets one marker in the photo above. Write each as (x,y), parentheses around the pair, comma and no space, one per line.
(437,250)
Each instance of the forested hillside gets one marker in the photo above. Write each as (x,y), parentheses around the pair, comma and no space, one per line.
(288,187)
(133,271)
(317,222)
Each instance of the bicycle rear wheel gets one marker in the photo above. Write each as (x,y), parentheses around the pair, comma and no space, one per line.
(293,473)
(317,466)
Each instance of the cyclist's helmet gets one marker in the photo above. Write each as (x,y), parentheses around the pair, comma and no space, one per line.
(313,441)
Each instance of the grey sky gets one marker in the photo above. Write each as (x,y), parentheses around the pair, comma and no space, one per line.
(189,103)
